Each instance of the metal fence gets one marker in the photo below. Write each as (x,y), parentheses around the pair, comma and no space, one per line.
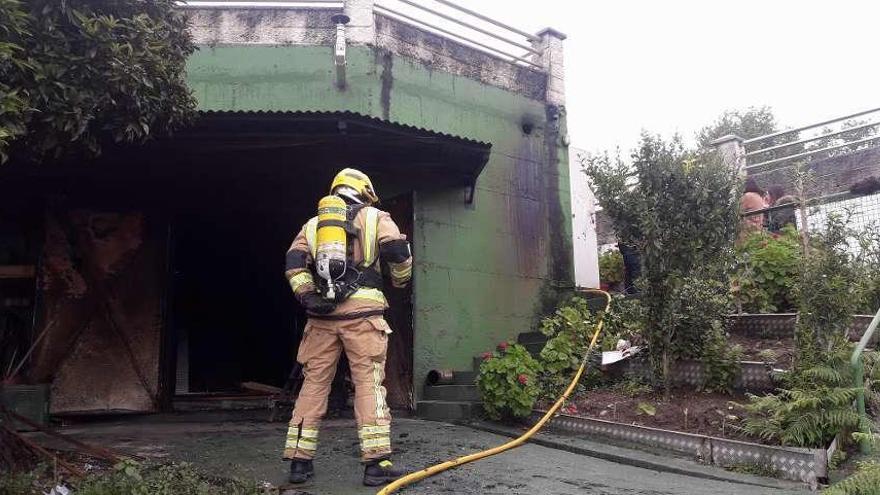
(441,17)
(832,166)
(465,26)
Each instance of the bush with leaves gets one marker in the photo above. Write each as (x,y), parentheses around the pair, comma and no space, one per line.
(611,268)
(508,382)
(570,330)
(872,382)
(814,406)
(824,292)
(865,481)
(767,270)
(868,266)
(815,403)
(721,362)
(75,75)
(680,209)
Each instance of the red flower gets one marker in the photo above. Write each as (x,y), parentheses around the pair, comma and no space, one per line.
(503,346)
(486,356)
(523,379)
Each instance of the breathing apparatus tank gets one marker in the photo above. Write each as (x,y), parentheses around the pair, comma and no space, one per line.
(330,255)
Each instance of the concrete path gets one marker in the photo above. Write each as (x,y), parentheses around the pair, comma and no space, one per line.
(247,447)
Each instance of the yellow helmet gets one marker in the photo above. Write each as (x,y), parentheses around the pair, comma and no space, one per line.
(358,181)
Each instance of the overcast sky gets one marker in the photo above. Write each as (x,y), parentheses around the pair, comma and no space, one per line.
(674,65)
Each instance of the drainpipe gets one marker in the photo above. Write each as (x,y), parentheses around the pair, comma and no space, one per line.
(339,50)
(355,25)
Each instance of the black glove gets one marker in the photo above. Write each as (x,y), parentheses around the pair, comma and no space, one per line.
(316,304)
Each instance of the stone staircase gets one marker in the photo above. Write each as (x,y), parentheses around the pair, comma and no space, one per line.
(461,399)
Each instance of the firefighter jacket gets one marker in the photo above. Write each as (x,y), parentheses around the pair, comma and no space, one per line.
(378,241)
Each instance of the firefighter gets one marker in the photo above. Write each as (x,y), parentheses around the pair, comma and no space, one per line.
(333,267)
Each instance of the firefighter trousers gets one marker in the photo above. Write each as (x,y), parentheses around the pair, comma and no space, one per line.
(365,342)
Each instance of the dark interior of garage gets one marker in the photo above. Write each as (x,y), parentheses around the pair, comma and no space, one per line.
(224,200)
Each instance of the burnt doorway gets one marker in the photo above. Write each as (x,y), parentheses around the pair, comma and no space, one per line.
(234,316)
(399,366)
(245,183)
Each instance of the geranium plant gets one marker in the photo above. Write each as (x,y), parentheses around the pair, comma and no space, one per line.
(508,381)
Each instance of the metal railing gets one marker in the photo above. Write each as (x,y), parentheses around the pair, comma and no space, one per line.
(858,370)
(465,26)
(259,4)
(443,17)
(814,140)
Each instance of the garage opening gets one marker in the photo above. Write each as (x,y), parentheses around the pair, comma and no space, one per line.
(223,201)
(256,179)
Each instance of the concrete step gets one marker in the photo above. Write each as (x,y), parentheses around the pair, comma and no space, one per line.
(476,363)
(441,410)
(534,348)
(464,377)
(531,338)
(232,403)
(453,393)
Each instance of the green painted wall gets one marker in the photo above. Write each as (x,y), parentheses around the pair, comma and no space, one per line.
(484,272)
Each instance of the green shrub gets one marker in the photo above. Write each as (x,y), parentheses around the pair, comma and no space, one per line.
(865,481)
(508,382)
(868,265)
(611,267)
(816,402)
(721,362)
(814,406)
(825,294)
(767,270)
(570,330)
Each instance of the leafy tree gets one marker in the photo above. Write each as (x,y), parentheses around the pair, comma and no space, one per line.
(680,209)
(77,75)
(750,123)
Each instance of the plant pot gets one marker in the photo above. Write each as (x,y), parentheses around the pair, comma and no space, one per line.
(30,401)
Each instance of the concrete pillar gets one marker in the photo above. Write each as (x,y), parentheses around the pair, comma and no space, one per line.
(732,151)
(583,224)
(551,59)
(361,29)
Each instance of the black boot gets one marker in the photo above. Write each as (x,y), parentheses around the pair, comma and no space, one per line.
(300,470)
(380,472)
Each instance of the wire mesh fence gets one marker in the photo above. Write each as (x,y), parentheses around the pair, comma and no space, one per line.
(831,168)
(861,212)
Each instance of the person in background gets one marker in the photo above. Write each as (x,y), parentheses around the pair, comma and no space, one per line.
(777,220)
(752,199)
(632,267)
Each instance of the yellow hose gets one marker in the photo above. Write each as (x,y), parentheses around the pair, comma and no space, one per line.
(439,468)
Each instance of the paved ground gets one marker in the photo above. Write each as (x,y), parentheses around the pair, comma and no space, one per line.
(249,447)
